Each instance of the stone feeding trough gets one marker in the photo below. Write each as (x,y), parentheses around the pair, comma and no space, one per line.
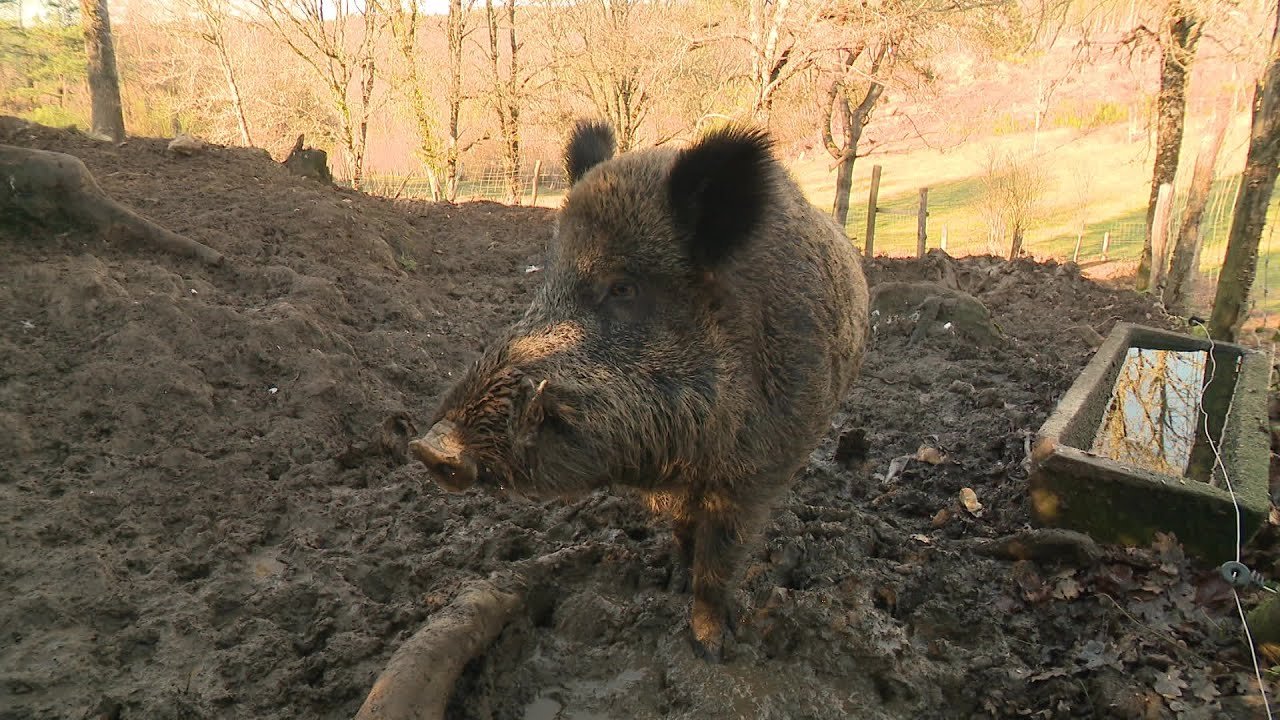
(1133,447)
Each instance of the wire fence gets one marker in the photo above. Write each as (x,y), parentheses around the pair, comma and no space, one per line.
(540,183)
(1106,246)
(1109,246)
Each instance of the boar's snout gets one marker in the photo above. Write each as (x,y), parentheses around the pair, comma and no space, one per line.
(445,457)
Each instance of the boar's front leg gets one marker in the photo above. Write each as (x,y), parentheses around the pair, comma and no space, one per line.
(723,530)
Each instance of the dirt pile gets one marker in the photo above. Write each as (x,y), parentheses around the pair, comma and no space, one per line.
(204,514)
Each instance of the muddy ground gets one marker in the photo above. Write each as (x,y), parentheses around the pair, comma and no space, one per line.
(204,513)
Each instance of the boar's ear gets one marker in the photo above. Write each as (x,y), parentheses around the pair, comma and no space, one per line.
(591,143)
(718,189)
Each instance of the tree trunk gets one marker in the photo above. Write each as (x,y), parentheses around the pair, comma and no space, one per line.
(104,81)
(1180,285)
(854,119)
(844,188)
(845,154)
(236,103)
(404,29)
(1230,304)
(55,191)
(1179,39)
(506,100)
(765,20)
(514,185)
(1015,247)
(456,33)
(362,131)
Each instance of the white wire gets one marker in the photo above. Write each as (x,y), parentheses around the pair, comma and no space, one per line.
(1257,671)
(1212,365)
(1213,445)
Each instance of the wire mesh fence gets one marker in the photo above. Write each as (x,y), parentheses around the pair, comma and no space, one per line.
(539,183)
(1110,246)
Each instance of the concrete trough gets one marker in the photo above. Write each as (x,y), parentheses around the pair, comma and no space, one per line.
(1091,472)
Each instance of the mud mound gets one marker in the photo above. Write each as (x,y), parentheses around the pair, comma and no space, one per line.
(206,513)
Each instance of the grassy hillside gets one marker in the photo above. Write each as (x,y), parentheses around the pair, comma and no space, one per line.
(1096,183)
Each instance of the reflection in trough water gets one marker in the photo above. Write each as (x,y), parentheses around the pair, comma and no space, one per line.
(1156,416)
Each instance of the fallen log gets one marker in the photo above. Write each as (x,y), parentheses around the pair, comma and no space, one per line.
(418,680)
(56,191)
(1044,545)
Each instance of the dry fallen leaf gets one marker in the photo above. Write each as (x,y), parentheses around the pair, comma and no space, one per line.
(931,455)
(1204,689)
(969,499)
(1170,684)
(896,466)
(1066,588)
(922,539)
(942,517)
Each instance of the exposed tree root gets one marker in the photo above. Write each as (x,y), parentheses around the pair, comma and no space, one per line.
(419,678)
(57,191)
(1044,545)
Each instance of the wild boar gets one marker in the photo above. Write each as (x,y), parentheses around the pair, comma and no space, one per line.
(699,324)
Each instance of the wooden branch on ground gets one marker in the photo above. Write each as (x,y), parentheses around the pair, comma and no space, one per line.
(418,680)
(56,190)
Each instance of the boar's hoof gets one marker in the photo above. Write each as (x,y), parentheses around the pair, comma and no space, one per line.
(710,632)
(445,457)
(709,651)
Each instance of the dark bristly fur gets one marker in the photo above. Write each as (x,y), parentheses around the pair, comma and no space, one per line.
(719,189)
(699,324)
(590,144)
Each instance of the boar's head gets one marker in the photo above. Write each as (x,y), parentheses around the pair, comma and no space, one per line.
(621,370)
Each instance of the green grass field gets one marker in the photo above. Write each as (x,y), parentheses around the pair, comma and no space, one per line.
(1096,184)
(1095,187)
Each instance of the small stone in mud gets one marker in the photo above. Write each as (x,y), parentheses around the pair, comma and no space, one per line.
(961,387)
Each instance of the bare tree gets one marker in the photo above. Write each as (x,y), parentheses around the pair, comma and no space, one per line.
(1179,284)
(1012,190)
(320,32)
(104,80)
(1262,163)
(618,55)
(1177,38)
(403,19)
(213,15)
(509,87)
(456,29)
(875,47)
(849,104)
(782,45)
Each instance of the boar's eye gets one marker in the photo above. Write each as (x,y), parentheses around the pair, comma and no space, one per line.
(622,290)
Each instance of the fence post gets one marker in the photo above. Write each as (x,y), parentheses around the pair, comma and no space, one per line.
(1106,244)
(921,234)
(943,244)
(1160,234)
(537,170)
(1075,256)
(871,211)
